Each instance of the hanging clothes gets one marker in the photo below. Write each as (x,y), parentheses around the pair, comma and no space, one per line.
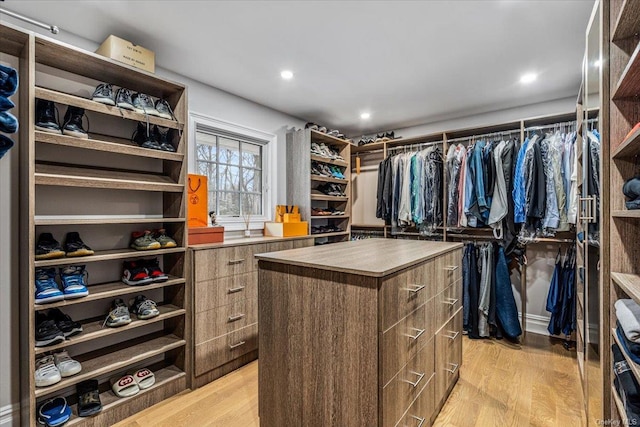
(561,298)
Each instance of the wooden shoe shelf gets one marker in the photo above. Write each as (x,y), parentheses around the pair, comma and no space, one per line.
(300,182)
(103,187)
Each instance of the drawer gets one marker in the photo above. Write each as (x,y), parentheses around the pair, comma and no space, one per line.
(227,290)
(229,261)
(302,243)
(223,320)
(448,355)
(405,291)
(403,341)
(448,269)
(448,302)
(217,352)
(421,411)
(405,387)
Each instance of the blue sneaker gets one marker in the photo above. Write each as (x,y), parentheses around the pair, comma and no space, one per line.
(74,281)
(46,287)
(54,412)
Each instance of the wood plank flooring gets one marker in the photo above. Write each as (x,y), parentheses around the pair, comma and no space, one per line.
(535,385)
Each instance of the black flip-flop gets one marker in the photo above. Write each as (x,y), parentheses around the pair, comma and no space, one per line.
(88,398)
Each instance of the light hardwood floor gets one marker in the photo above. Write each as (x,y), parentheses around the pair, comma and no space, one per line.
(500,384)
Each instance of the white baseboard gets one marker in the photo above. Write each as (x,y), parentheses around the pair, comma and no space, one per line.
(10,415)
(536,324)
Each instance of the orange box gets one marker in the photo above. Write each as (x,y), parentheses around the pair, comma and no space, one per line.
(291,217)
(286,229)
(201,235)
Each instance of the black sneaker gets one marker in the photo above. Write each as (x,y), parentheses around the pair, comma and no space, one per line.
(164,110)
(123,99)
(143,104)
(74,246)
(46,112)
(103,94)
(154,271)
(145,137)
(47,332)
(134,273)
(163,137)
(47,247)
(68,327)
(73,123)
(144,308)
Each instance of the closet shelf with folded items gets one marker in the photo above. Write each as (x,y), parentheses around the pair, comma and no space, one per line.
(626,357)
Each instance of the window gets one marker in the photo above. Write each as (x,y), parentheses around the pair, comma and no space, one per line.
(234,167)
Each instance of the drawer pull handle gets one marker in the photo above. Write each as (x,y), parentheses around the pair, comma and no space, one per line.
(418,333)
(415,384)
(234,346)
(451,301)
(451,267)
(420,420)
(455,368)
(454,336)
(414,289)
(236,317)
(236,261)
(234,290)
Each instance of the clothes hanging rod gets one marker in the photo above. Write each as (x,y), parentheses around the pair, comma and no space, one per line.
(484,135)
(418,145)
(549,240)
(472,237)
(552,126)
(54,29)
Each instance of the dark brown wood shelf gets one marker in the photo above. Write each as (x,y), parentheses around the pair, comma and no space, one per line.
(94,330)
(327,160)
(629,283)
(628,21)
(628,85)
(13,40)
(51,221)
(111,290)
(110,401)
(626,213)
(72,176)
(110,255)
(317,136)
(630,147)
(87,104)
(319,178)
(329,198)
(115,361)
(108,144)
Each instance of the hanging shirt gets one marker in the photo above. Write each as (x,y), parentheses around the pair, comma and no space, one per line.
(499,205)
(519,184)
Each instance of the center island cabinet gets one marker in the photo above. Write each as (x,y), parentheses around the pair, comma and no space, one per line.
(360,333)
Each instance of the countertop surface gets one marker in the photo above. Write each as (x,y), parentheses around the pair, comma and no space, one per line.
(239,241)
(372,257)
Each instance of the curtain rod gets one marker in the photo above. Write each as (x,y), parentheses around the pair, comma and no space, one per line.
(54,29)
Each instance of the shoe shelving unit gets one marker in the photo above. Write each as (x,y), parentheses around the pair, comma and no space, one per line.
(103,187)
(301,182)
(620,36)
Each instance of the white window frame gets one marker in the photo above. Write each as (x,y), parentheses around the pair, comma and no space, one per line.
(268,166)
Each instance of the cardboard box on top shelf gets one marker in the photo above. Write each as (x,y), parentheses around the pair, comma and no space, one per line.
(286,229)
(128,53)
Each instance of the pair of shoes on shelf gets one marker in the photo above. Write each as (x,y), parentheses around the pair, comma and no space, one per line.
(131,384)
(47,121)
(56,412)
(49,248)
(385,136)
(128,100)
(325,229)
(73,278)
(326,212)
(328,171)
(142,272)
(366,140)
(316,127)
(154,137)
(324,150)
(331,189)
(52,368)
(141,306)
(54,327)
(149,240)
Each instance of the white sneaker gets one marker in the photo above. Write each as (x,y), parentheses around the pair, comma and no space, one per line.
(66,365)
(46,372)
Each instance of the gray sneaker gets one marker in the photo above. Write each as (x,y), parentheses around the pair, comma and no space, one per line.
(144,241)
(103,94)
(123,99)
(119,314)
(143,104)
(164,110)
(144,308)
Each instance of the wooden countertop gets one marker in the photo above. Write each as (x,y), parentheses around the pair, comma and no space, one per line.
(240,241)
(373,257)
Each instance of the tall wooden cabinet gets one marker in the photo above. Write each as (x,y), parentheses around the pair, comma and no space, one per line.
(302,185)
(104,187)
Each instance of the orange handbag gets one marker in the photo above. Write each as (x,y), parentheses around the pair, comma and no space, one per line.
(197,201)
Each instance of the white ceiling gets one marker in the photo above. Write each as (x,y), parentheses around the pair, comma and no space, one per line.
(407,62)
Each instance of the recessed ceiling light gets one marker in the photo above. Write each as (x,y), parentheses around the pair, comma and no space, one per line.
(528,78)
(365,116)
(286,75)
(598,63)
